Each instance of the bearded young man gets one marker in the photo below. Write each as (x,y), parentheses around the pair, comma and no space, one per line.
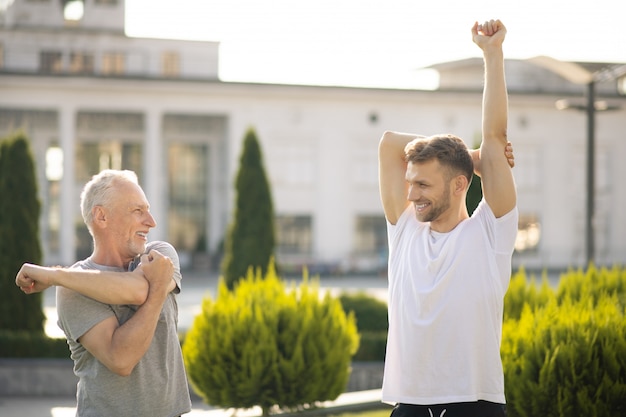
(449,272)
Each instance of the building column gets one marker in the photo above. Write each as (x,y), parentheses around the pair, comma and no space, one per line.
(68,199)
(155,173)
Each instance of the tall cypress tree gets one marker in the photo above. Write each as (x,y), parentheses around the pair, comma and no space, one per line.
(250,239)
(19,232)
(475,190)
(474,194)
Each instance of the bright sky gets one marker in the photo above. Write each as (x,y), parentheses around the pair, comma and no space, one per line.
(376,42)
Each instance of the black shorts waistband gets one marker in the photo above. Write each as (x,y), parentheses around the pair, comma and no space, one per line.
(465,409)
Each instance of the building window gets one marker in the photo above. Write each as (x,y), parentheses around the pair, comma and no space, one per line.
(113,63)
(365,167)
(171,64)
(370,235)
(50,62)
(294,234)
(81,63)
(73,10)
(297,156)
(528,233)
(91,158)
(188,196)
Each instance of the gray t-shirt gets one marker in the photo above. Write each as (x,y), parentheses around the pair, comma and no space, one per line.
(158,384)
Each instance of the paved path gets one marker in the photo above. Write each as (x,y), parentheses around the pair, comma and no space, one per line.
(66,407)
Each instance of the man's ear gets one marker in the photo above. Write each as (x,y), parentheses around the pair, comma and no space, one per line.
(461,184)
(99,216)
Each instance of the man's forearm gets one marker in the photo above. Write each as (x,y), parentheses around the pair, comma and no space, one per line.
(104,286)
(495,100)
(131,340)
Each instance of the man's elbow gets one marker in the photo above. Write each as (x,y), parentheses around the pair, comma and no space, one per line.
(139,293)
(122,368)
(385,138)
(122,371)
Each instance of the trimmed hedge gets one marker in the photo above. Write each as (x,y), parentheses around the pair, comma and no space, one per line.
(27,344)
(371,320)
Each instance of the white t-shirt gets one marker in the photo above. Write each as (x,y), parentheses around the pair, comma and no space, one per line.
(446,294)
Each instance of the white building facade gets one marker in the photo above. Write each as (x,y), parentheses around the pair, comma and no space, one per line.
(90,98)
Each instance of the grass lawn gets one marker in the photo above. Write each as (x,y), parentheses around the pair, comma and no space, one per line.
(383,412)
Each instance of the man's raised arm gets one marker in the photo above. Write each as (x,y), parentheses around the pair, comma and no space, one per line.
(497,178)
(392,173)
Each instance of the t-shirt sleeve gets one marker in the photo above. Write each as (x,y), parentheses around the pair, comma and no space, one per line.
(394,230)
(501,231)
(168,250)
(78,313)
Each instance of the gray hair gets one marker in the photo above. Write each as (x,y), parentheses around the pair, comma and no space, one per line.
(99,191)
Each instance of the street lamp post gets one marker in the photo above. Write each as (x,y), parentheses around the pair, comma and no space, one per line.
(591,169)
(578,75)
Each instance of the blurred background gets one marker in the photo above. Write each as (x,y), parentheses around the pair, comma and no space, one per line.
(168,90)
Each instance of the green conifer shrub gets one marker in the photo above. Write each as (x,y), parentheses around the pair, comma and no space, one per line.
(250,238)
(263,345)
(19,232)
(566,359)
(595,282)
(523,291)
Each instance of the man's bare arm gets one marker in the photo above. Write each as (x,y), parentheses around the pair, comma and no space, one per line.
(104,286)
(392,173)
(497,178)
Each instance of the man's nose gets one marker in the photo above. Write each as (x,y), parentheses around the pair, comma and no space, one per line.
(150,220)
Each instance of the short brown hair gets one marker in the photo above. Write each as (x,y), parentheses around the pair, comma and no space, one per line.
(449,150)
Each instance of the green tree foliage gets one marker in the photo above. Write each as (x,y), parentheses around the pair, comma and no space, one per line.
(262,345)
(475,190)
(19,229)
(250,238)
(474,194)
(565,353)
